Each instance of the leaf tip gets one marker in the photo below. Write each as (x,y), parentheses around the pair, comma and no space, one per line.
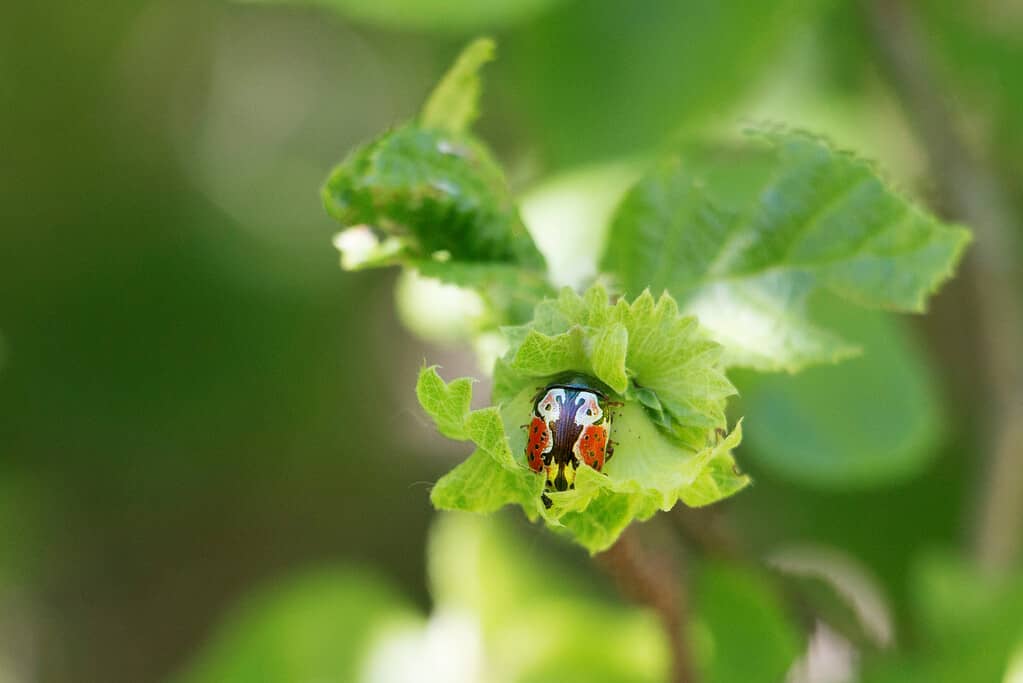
(453,104)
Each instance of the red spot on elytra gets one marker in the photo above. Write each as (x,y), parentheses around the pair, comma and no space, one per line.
(592,445)
(539,436)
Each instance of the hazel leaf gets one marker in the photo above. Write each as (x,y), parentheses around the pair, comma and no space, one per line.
(721,477)
(663,353)
(491,477)
(480,485)
(447,403)
(429,195)
(823,220)
(653,476)
(669,355)
(670,444)
(436,195)
(607,349)
(540,355)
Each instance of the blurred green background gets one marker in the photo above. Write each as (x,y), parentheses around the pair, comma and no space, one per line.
(196,402)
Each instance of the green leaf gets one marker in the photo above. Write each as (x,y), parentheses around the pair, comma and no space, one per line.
(654,474)
(748,638)
(607,350)
(823,221)
(671,356)
(447,404)
(437,195)
(883,424)
(541,355)
(454,103)
(665,355)
(316,628)
(429,196)
(679,451)
(721,477)
(491,477)
(480,485)
(430,187)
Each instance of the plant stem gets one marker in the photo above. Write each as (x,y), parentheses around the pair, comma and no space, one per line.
(655,581)
(976,196)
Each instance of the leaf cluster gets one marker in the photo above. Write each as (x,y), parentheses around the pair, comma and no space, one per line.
(703,281)
(671,444)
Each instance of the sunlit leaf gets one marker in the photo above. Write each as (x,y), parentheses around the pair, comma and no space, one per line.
(824,221)
(447,404)
(681,450)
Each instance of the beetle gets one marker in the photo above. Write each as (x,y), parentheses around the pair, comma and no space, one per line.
(570,425)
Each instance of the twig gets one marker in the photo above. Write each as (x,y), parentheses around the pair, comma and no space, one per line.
(974,195)
(654,580)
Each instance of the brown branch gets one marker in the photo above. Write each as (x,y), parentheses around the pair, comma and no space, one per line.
(975,195)
(654,581)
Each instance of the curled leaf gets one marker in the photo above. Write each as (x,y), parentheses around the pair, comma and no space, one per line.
(428,195)
(439,195)
(669,428)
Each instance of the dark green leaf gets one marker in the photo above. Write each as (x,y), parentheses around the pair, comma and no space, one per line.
(440,195)
(751,639)
(871,420)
